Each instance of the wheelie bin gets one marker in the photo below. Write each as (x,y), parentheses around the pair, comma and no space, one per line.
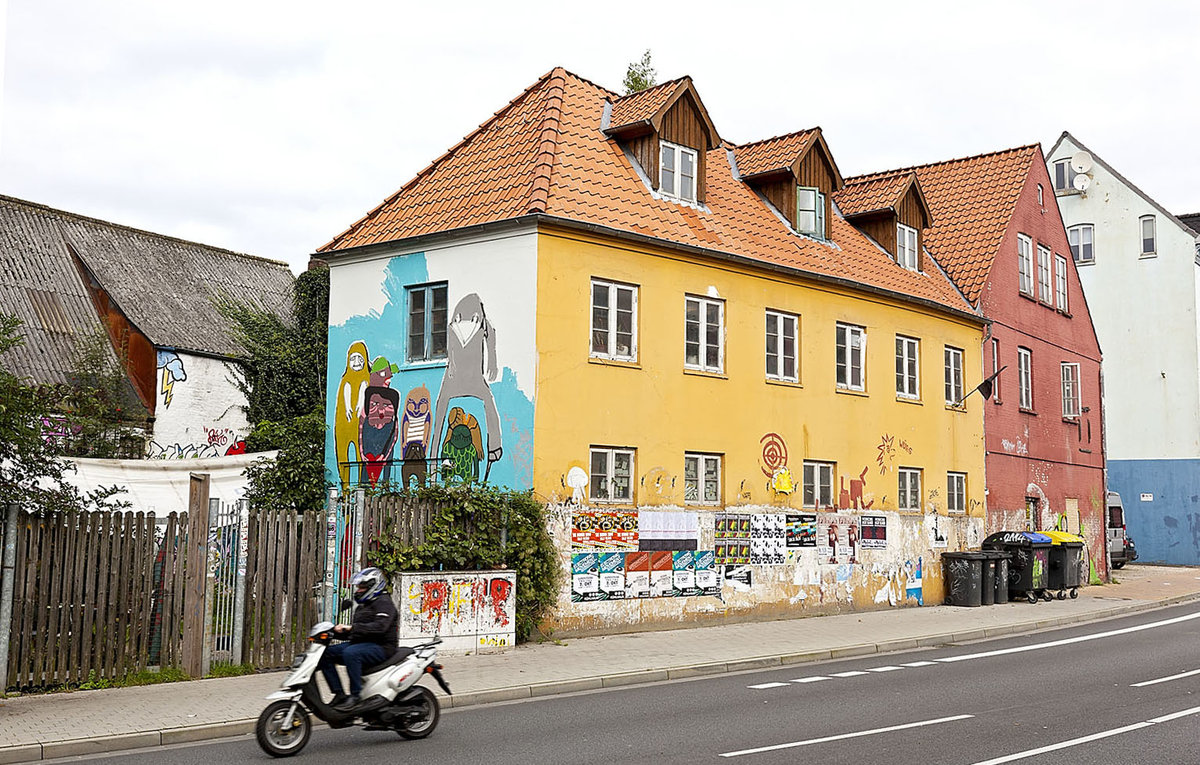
(1029,561)
(1065,558)
(988,592)
(1001,584)
(964,577)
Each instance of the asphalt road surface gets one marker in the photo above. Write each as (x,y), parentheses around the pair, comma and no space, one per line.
(1119,691)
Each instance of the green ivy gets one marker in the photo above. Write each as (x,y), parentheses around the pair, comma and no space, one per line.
(480,527)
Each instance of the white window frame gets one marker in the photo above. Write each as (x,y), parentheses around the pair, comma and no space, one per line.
(1044,277)
(1060,283)
(1041,196)
(611,313)
(1070,390)
(1082,251)
(908,490)
(703,324)
(907,253)
(851,369)
(953,358)
(1025,378)
(602,486)
(817,211)
(1153,238)
(696,480)
(677,154)
(956,493)
(787,329)
(1025,264)
(908,367)
(434,321)
(817,483)
(996,369)
(1064,172)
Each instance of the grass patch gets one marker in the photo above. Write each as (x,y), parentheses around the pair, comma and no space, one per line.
(230,670)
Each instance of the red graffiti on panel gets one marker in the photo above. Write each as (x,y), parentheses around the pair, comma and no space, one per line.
(499,590)
(434,596)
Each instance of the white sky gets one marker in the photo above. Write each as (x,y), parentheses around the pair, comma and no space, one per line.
(269,127)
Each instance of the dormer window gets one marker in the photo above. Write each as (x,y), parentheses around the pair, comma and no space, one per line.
(677,171)
(906,246)
(810,211)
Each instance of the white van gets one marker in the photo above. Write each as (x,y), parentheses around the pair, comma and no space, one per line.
(1120,545)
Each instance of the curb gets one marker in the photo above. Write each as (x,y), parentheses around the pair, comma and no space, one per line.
(191,734)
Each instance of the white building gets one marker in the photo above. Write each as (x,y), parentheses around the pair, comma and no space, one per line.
(1140,270)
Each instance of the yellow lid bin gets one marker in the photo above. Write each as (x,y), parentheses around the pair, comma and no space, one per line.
(1066,561)
(1061,537)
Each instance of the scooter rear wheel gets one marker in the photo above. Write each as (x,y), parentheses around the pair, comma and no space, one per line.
(419,720)
(271,735)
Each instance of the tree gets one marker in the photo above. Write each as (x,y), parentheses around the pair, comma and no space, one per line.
(640,75)
(100,413)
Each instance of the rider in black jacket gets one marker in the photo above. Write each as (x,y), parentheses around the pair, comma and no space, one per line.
(372,637)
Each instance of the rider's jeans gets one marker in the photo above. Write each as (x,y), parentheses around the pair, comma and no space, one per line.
(355,656)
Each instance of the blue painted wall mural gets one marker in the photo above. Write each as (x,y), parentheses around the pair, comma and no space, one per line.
(1166,525)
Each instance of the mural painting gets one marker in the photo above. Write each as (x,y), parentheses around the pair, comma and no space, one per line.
(415,426)
(468,610)
(351,392)
(171,372)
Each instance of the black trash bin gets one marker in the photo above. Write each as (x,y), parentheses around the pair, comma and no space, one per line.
(988,591)
(964,578)
(1001,583)
(1066,556)
(1029,561)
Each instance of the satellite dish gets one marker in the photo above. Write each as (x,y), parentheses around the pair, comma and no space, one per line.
(1081,182)
(1081,162)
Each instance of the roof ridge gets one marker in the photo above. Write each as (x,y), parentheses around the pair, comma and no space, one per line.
(581,78)
(914,168)
(551,129)
(142,231)
(777,137)
(655,86)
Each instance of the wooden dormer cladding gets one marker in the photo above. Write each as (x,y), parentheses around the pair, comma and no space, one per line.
(670,112)
(876,205)
(777,166)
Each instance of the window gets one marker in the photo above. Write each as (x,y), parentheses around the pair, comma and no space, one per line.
(677,171)
(954,376)
(818,484)
(909,490)
(1148,245)
(427,322)
(614,321)
(1025,263)
(1025,378)
(1080,238)
(704,327)
(1060,282)
(810,211)
(906,246)
(781,346)
(1041,196)
(996,368)
(612,475)
(1064,176)
(956,493)
(851,347)
(702,479)
(907,377)
(1044,274)
(1070,389)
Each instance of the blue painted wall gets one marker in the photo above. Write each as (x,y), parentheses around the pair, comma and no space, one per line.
(1167,528)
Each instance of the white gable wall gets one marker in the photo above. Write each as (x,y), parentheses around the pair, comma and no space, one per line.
(198,410)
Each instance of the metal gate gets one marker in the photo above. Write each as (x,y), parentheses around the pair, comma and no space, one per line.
(225,616)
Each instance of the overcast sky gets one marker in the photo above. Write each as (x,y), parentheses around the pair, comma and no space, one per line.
(270,127)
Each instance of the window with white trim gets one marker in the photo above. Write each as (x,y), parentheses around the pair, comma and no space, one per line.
(1044,279)
(818,484)
(996,369)
(956,493)
(427,322)
(1060,283)
(1025,264)
(704,333)
(810,211)
(611,477)
(851,351)
(1025,378)
(908,382)
(954,376)
(782,344)
(1070,389)
(1149,246)
(1064,176)
(1080,238)
(908,492)
(677,171)
(906,247)
(614,320)
(702,479)
(1041,196)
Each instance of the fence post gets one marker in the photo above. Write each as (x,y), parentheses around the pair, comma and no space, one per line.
(239,603)
(6,588)
(360,519)
(195,588)
(211,599)
(329,584)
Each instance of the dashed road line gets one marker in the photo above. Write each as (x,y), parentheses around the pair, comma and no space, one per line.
(843,736)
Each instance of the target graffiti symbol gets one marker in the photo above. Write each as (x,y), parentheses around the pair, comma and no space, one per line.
(774,453)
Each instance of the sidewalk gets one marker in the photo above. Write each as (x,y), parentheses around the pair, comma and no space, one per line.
(89,722)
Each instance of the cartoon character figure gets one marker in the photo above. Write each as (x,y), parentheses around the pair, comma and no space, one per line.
(347,412)
(414,435)
(463,447)
(378,433)
(470,335)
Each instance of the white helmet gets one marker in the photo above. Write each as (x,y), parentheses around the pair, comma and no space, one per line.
(367,584)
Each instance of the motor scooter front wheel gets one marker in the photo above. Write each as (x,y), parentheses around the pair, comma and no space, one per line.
(421,716)
(274,738)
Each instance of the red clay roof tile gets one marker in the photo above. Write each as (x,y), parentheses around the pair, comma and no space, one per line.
(772,154)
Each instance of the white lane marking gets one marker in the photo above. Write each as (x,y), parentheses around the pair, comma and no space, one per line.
(813,679)
(1165,679)
(1069,641)
(884,669)
(920,663)
(760,686)
(851,673)
(1092,737)
(842,736)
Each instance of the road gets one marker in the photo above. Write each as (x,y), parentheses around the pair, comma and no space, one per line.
(1119,691)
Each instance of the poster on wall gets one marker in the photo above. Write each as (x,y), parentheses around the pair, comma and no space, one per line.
(683,567)
(706,573)
(615,531)
(738,577)
(837,541)
(801,530)
(612,575)
(585,577)
(732,538)
(767,545)
(637,575)
(662,573)
(874,532)
(659,530)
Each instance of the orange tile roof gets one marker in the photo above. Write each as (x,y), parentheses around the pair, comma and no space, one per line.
(772,154)
(545,153)
(641,106)
(884,192)
(972,201)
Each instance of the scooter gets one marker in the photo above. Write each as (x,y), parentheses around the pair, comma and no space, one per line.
(391,698)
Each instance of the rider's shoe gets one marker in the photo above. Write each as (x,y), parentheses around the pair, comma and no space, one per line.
(347,705)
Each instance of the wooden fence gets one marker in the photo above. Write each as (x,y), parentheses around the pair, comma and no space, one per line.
(283,573)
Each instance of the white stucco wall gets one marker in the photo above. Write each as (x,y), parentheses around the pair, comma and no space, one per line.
(198,412)
(1144,311)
